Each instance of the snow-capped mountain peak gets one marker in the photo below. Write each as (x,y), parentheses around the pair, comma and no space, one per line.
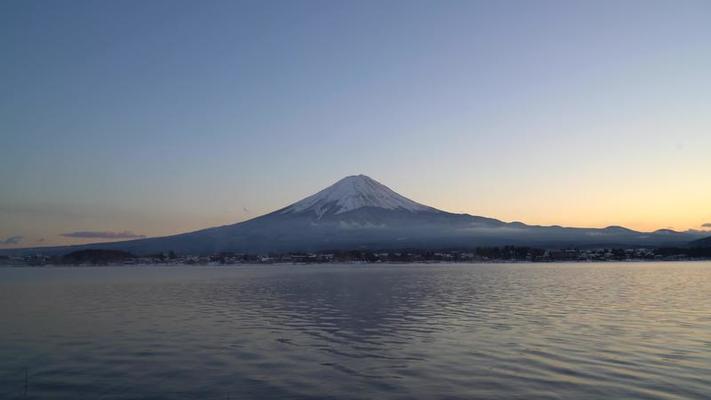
(351,193)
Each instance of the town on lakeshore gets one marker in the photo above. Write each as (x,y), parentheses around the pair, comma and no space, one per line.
(91,257)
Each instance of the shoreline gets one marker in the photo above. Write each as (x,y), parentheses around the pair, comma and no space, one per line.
(364,263)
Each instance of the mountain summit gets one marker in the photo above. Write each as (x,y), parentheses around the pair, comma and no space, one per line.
(359,213)
(351,193)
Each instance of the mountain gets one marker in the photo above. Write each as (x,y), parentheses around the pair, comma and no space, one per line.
(358,212)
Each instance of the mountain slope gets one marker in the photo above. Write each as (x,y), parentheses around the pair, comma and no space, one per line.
(358,212)
(704,243)
(352,193)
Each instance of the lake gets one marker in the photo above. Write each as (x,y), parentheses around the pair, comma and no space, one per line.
(437,331)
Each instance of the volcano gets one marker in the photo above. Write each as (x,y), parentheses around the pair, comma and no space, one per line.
(359,213)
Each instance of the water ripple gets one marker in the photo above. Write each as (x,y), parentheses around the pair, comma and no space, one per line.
(587,331)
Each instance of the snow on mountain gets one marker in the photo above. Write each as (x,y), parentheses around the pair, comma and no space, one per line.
(352,193)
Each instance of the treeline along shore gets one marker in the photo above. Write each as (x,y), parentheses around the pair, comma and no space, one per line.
(479,254)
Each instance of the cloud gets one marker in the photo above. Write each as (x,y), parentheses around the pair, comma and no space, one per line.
(12,240)
(706,225)
(103,235)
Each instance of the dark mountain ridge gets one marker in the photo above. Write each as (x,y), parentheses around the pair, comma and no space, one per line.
(703,243)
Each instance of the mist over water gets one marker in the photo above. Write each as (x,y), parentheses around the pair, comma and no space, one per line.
(494,331)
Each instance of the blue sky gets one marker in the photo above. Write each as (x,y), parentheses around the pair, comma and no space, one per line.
(155,117)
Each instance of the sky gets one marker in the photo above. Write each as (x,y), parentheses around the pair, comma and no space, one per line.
(123,119)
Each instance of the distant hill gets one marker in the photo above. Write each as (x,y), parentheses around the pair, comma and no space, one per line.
(704,243)
(359,213)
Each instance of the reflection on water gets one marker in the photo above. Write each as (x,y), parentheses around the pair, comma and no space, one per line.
(640,330)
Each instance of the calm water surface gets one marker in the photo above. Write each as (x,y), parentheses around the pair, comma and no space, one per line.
(520,331)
